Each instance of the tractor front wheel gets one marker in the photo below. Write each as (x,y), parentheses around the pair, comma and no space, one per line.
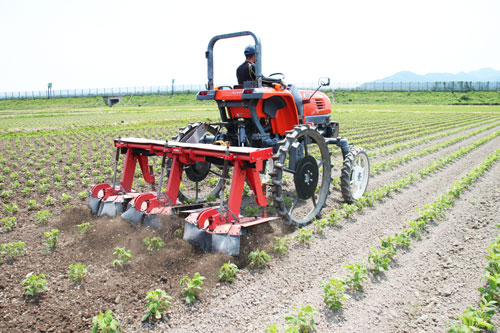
(355,174)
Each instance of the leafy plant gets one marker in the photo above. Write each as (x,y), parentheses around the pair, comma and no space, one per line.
(106,323)
(228,272)
(77,271)
(50,201)
(272,328)
(42,216)
(157,302)
(65,198)
(258,258)
(153,244)
(475,320)
(302,321)
(82,195)
(12,250)
(32,204)
(11,208)
(51,238)
(333,293)
(251,211)
(192,287)
(319,225)
(123,256)
(380,259)
(303,235)
(84,228)
(359,275)
(34,284)
(280,246)
(8,223)
(178,233)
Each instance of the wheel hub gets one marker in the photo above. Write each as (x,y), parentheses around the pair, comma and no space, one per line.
(198,171)
(306,177)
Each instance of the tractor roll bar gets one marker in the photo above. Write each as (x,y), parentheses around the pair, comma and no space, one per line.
(210,56)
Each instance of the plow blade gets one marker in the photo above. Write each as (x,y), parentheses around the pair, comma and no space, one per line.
(133,216)
(221,242)
(94,204)
(110,208)
(224,238)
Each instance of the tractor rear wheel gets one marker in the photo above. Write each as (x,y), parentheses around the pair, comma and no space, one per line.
(355,174)
(301,175)
(200,181)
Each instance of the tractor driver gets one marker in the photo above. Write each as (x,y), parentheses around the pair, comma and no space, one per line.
(246,71)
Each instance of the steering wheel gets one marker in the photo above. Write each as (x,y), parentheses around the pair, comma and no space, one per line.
(269,79)
(282,75)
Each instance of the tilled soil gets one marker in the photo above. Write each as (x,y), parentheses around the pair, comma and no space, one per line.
(426,286)
(267,296)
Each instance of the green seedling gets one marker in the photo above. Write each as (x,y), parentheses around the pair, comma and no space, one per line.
(178,233)
(12,208)
(123,256)
(302,321)
(228,272)
(34,284)
(11,250)
(84,228)
(319,226)
(359,276)
(303,236)
(8,223)
(389,246)
(192,287)
(280,246)
(157,302)
(153,244)
(258,258)
(251,211)
(106,323)
(32,204)
(380,259)
(77,271)
(65,198)
(333,293)
(42,216)
(50,201)
(51,238)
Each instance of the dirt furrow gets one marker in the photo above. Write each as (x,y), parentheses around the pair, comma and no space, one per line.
(260,298)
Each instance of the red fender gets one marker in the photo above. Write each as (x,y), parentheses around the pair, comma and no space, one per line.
(149,198)
(105,188)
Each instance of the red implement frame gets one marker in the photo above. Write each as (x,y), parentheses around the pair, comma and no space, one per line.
(247,163)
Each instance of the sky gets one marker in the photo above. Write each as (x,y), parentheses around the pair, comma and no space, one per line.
(104,43)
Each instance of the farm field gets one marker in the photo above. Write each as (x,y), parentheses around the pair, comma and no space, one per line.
(435,187)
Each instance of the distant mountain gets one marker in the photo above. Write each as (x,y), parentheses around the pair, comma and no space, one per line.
(481,75)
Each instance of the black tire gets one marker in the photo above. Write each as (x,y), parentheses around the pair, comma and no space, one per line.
(192,182)
(357,164)
(313,183)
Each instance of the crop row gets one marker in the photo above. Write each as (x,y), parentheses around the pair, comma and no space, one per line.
(392,163)
(408,129)
(417,142)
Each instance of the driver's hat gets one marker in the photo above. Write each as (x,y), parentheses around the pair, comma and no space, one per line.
(249,50)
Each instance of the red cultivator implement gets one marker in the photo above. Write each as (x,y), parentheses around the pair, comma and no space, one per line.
(271,135)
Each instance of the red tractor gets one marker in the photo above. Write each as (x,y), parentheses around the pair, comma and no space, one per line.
(275,138)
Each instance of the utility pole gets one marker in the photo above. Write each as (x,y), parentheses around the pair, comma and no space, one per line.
(49,89)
